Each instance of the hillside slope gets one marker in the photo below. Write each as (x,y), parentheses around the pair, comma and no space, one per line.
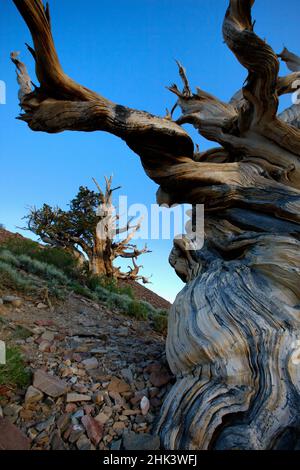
(140,291)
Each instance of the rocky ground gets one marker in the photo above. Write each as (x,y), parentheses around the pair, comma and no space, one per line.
(98,378)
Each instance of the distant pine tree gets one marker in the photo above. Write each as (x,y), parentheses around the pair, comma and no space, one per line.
(88,230)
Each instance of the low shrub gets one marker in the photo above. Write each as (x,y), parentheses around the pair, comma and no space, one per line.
(149,307)
(11,275)
(33,266)
(137,310)
(127,291)
(97,288)
(102,293)
(11,278)
(9,258)
(60,259)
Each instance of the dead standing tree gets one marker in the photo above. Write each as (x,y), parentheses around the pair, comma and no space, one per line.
(234,329)
(108,244)
(90,230)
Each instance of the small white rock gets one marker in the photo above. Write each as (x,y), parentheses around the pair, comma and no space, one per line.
(145,405)
(41,306)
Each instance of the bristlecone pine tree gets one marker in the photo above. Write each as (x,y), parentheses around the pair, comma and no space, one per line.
(233,339)
(90,231)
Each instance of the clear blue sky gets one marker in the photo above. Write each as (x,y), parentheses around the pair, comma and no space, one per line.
(125,49)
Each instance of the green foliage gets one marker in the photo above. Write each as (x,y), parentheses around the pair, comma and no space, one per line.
(34,266)
(160,322)
(60,259)
(13,269)
(21,333)
(93,282)
(126,291)
(83,213)
(54,256)
(84,291)
(71,228)
(9,258)
(137,310)
(110,284)
(97,288)
(102,293)
(21,246)
(118,301)
(14,372)
(150,309)
(122,299)
(44,270)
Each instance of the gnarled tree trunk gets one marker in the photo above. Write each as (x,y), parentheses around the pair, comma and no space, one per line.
(100,262)
(233,338)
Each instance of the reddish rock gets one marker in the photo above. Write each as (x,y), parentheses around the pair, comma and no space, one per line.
(11,438)
(49,384)
(4,390)
(94,429)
